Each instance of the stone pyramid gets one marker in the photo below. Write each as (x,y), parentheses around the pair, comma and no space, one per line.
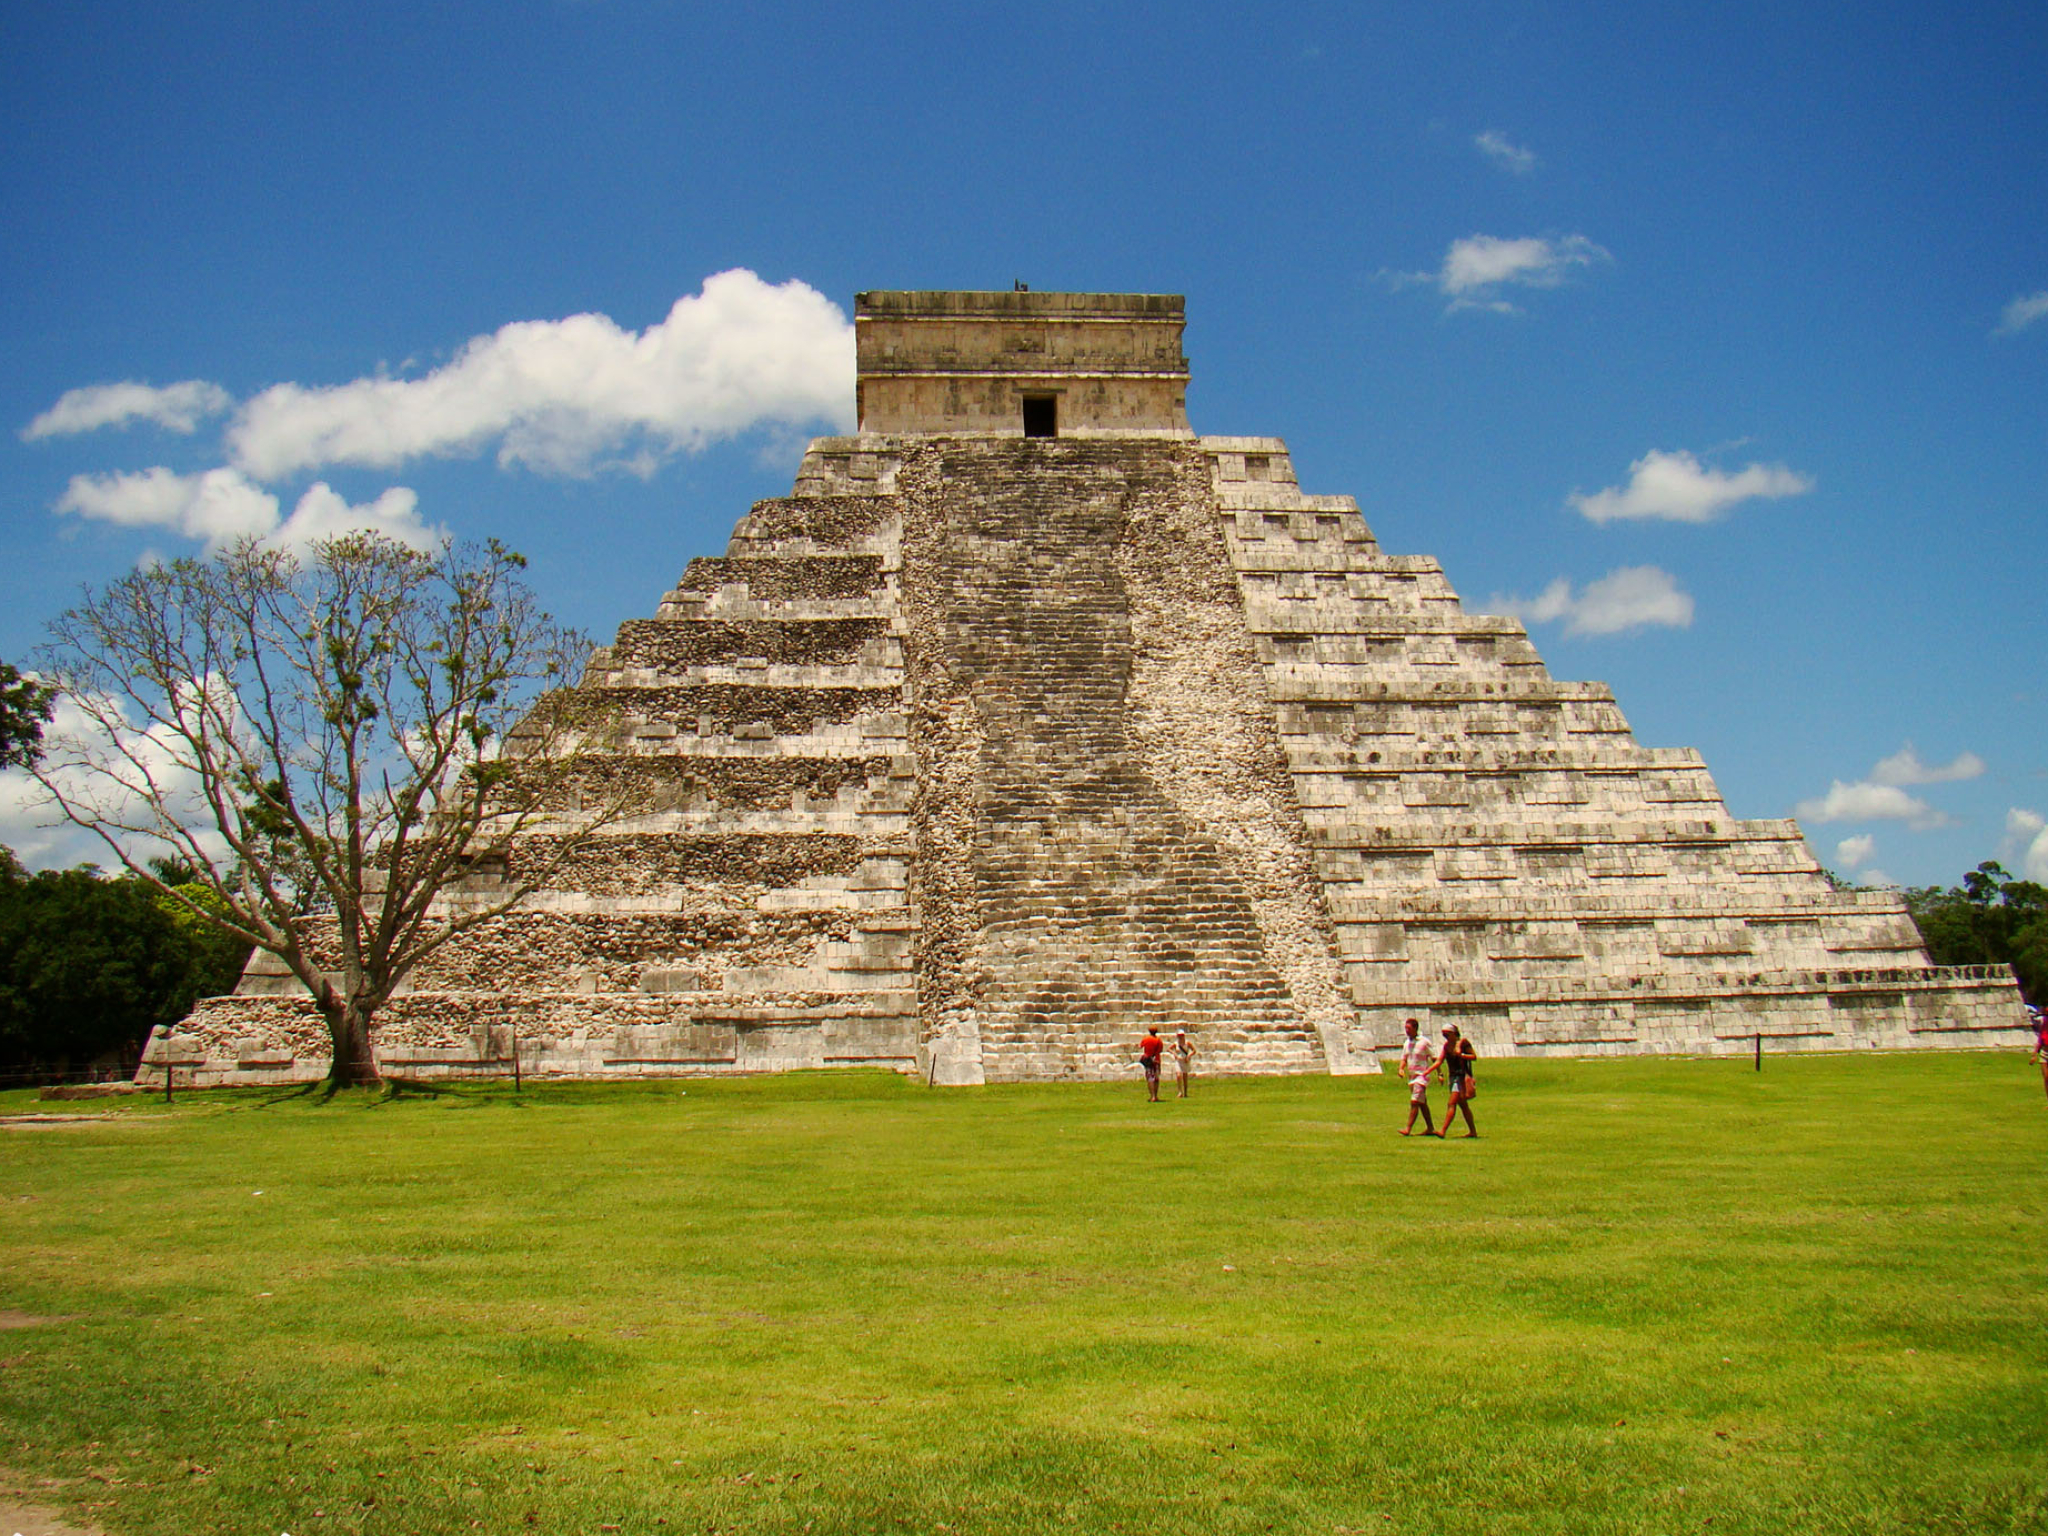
(1032,719)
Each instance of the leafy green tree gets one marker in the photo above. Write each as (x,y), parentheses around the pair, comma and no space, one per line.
(325,744)
(88,966)
(172,869)
(1989,919)
(214,955)
(25,707)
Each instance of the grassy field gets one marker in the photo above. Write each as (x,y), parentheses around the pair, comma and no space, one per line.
(1654,1296)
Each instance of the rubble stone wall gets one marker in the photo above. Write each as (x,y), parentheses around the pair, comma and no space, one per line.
(1200,719)
(1097,908)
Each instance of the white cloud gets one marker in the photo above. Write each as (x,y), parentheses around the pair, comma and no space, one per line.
(1475,269)
(1508,156)
(24,828)
(1904,767)
(1853,852)
(2026,842)
(222,505)
(1633,597)
(217,506)
(36,830)
(563,395)
(177,407)
(2022,312)
(323,513)
(1864,801)
(1881,796)
(1678,487)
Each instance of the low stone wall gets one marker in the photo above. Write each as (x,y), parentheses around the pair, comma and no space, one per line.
(464,1035)
(1945,1007)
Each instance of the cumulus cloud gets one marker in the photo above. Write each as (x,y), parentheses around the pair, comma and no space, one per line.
(36,830)
(175,407)
(1475,269)
(2022,312)
(25,828)
(2026,842)
(1634,597)
(1677,487)
(1854,852)
(1881,795)
(323,513)
(562,396)
(1904,767)
(222,505)
(1865,801)
(1496,146)
(217,506)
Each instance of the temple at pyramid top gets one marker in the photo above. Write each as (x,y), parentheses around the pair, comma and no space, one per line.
(1031,720)
(1022,364)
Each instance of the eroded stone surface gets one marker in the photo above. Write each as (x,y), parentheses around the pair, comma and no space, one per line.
(1099,906)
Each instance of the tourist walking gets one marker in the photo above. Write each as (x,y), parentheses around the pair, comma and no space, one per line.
(2041,1043)
(1458,1057)
(1149,1051)
(1183,1059)
(1417,1063)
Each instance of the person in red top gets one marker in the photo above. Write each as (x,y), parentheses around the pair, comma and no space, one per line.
(1149,1051)
(2041,1043)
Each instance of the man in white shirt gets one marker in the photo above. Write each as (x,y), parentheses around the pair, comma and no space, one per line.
(1416,1061)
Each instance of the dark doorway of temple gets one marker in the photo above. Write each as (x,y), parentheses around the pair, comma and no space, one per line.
(1041,416)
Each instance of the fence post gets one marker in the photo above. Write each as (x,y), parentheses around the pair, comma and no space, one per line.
(1759,1050)
(170,1071)
(515,1057)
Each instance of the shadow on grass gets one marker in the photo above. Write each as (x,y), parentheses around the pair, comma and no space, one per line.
(285,1096)
(396,1088)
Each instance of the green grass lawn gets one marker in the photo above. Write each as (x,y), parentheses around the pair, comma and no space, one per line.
(1655,1296)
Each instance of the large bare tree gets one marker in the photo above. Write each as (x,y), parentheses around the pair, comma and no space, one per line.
(330,740)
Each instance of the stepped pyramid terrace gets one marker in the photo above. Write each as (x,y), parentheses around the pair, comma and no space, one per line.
(1030,718)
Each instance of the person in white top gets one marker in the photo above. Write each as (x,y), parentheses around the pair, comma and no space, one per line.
(1416,1061)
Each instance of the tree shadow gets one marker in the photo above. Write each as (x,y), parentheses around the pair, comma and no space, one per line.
(286,1095)
(411,1088)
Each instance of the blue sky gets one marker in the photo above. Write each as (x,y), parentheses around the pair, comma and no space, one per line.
(1700,334)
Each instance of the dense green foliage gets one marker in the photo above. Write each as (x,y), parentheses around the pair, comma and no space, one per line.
(1990,919)
(1656,1296)
(25,707)
(89,965)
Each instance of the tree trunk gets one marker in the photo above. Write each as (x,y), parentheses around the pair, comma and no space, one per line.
(355,1064)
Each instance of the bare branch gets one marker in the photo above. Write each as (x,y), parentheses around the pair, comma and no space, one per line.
(333,743)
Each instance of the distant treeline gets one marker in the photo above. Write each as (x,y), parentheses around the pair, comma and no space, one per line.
(1990,919)
(90,963)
